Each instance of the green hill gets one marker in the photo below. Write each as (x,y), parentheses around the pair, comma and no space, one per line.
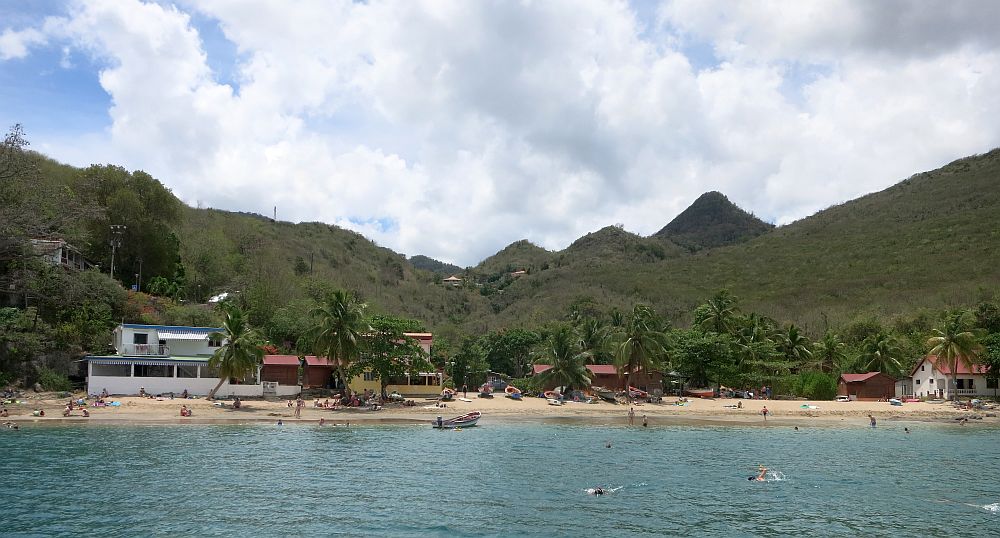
(930,241)
(430,264)
(712,221)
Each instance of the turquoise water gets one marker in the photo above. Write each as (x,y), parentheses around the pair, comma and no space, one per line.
(497,479)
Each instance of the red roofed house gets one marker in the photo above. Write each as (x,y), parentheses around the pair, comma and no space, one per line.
(281,369)
(870,386)
(606,375)
(932,378)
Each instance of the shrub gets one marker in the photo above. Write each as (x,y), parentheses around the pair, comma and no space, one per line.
(53,381)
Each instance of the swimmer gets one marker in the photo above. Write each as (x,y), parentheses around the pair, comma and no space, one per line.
(607,444)
(796,428)
(280,423)
(597,491)
(906,430)
(761,476)
(322,421)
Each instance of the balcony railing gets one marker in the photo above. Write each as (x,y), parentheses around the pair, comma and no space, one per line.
(966,392)
(145,350)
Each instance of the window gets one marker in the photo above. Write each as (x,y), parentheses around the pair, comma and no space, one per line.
(370,376)
(112,370)
(207,372)
(991,383)
(214,342)
(921,367)
(140,338)
(187,371)
(916,382)
(153,370)
(931,381)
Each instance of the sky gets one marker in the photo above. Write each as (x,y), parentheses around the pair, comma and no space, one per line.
(453,128)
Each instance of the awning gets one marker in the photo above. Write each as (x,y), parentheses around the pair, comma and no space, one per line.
(175,335)
(159,362)
(281,360)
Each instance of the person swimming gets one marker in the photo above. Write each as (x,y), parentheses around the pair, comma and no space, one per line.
(598,490)
(761,476)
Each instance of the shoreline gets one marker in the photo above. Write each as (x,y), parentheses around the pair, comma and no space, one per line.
(714,413)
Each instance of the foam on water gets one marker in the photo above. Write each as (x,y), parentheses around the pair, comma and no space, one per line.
(593,491)
(995,508)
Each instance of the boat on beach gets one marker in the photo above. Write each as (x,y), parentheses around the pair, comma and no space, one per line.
(513,392)
(463,421)
(701,393)
(554,401)
(607,395)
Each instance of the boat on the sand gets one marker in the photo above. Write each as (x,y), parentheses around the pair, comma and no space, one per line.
(607,395)
(464,421)
(513,392)
(701,393)
(554,401)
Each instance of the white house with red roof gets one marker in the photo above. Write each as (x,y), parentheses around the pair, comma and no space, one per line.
(931,377)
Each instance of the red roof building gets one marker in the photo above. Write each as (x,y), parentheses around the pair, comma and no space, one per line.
(871,386)
(932,377)
(282,369)
(606,375)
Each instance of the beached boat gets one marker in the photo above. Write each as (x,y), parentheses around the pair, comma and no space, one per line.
(552,395)
(636,393)
(607,395)
(513,392)
(464,421)
(701,393)
(554,401)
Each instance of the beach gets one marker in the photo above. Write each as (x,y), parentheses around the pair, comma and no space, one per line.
(499,409)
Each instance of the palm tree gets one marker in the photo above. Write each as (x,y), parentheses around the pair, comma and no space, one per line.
(594,340)
(955,344)
(880,353)
(828,352)
(719,313)
(568,361)
(795,345)
(241,353)
(340,331)
(642,344)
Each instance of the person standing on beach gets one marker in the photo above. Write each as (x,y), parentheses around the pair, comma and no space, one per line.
(764,412)
(465,391)
(298,407)
(631,416)
(872,419)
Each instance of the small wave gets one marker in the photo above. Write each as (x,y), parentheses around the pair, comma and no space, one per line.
(995,508)
(775,476)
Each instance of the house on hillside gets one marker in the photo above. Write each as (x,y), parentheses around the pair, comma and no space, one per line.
(871,386)
(163,359)
(519,273)
(606,375)
(452,281)
(931,378)
(59,252)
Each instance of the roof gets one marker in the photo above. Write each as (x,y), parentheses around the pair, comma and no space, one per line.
(317,361)
(596,369)
(173,328)
(419,336)
(453,278)
(116,359)
(180,335)
(858,378)
(945,368)
(281,360)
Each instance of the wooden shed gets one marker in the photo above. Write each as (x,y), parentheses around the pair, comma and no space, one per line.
(318,373)
(283,369)
(871,386)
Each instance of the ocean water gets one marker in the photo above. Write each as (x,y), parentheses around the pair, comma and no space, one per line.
(499,480)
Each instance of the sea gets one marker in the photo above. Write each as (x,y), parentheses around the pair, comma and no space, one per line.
(499,479)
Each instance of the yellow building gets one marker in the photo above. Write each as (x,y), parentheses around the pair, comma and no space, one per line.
(421,384)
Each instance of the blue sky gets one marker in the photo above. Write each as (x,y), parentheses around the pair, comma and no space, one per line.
(452,129)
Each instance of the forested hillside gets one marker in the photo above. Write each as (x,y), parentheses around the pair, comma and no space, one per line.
(927,244)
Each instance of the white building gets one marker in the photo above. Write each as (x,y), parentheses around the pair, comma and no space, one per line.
(59,252)
(931,377)
(169,359)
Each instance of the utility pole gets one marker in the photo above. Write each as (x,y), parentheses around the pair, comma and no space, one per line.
(311,262)
(138,277)
(116,241)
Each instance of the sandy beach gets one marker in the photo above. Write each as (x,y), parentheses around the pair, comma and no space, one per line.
(499,409)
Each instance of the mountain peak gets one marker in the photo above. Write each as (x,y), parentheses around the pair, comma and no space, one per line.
(712,221)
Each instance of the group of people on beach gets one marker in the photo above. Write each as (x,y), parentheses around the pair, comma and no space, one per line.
(631,418)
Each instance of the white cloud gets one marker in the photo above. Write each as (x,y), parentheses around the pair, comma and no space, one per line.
(453,128)
(15,43)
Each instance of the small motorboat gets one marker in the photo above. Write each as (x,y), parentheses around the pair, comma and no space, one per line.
(551,394)
(486,390)
(554,401)
(701,393)
(636,393)
(464,421)
(895,401)
(513,392)
(447,395)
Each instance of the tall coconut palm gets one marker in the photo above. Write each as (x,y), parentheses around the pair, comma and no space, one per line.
(340,330)
(718,314)
(955,344)
(240,354)
(795,346)
(594,340)
(829,351)
(881,353)
(641,344)
(568,361)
